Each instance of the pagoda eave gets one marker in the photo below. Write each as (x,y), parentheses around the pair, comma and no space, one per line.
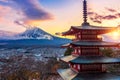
(95,60)
(94,44)
(91,44)
(90,60)
(69,74)
(66,45)
(97,30)
(68,58)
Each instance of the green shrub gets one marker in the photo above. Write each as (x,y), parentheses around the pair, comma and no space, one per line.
(68,51)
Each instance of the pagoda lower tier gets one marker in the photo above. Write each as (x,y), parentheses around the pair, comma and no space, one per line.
(89,63)
(69,74)
(86,56)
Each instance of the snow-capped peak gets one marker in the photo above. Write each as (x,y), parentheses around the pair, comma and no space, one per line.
(34,33)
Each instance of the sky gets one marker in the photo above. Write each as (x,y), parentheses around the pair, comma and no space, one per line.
(56,15)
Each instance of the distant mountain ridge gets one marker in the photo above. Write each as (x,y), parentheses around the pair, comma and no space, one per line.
(33,37)
(6,34)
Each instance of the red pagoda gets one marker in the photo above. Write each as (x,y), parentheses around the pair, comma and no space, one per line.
(86,62)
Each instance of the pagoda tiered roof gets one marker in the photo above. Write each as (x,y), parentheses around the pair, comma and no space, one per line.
(69,74)
(92,44)
(90,59)
(95,29)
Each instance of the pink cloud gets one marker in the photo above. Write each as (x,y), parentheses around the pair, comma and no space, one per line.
(98,18)
(111,10)
(27,11)
(7,18)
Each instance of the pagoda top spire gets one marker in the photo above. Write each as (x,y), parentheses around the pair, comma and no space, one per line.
(85,13)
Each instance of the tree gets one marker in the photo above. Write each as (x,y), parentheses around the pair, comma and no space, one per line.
(107,52)
(68,51)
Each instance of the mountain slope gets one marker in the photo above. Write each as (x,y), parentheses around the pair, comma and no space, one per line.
(34,37)
(34,33)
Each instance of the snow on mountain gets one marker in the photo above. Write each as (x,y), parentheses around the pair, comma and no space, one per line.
(30,33)
(32,37)
(34,33)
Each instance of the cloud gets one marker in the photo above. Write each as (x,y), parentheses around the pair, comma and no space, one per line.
(109,17)
(91,13)
(7,14)
(7,18)
(98,18)
(29,10)
(4,0)
(117,14)
(32,10)
(111,10)
(21,23)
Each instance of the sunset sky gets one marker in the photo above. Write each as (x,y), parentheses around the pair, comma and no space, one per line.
(56,15)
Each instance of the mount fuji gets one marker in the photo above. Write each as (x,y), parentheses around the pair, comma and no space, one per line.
(32,37)
(34,33)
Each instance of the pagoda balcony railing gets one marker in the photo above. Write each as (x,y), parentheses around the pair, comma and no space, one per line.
(77,71)
(90,54)
(86,54)
(88,39)
(75,40)
(91,71)
(100,39)
(103,69)
(75,54)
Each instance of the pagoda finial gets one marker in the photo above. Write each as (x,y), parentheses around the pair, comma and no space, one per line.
(85,13)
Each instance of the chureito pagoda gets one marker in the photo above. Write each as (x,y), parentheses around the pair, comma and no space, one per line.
(86,62)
